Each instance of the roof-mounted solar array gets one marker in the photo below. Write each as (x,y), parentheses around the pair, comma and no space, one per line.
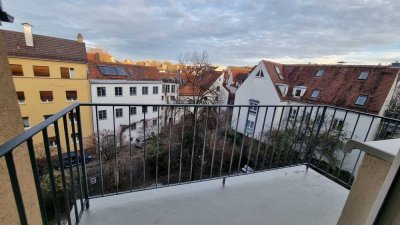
(112,71)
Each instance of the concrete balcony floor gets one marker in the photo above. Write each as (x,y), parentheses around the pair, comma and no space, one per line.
(280,197)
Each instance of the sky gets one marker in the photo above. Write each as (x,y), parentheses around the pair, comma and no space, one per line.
(233,32)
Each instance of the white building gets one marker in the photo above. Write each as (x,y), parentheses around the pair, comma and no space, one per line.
(366,89)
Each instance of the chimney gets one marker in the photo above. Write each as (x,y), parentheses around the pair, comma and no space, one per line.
(28,34)
(79,38)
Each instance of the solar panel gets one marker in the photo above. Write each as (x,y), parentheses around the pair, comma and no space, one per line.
(121,71)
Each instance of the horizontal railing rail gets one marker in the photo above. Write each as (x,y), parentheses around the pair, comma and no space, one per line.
(91,150)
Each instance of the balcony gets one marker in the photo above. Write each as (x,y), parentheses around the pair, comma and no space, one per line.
(194,164)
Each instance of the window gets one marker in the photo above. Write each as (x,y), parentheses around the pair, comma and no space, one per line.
(67,72)
(278,71)
(216,98)
(132,90)
(361,100)
(46,96)
(297,93)
(41,71)
(155,90)
(25,121)
(52,142)
(102,114)
(173,98)
(133,126)
(163,88)
(363,75)
(118,112)
(21,97)
(315,94)
(132,110)
(249,126)
(293,114)
(167,88)
(145,90)
(260,73)
(337,124)
(218,88)
(101,91)
(144,109)
(118,91)
(172,88)
(71,95)
(16,70)
(253,109)
(319,73)
(154,108)
(162,97)
(154,122)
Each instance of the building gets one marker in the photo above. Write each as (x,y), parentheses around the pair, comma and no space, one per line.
(367,89)
(234,77)
(170,86)
(125,84)
(49,74)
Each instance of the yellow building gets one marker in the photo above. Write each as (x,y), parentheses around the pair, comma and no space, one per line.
(49,74)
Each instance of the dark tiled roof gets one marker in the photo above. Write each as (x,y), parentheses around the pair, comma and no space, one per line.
(45,47)
(134,72)
(339,85)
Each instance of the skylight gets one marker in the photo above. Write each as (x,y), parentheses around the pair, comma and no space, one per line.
(363,75)
(315,94)
(112,70)
(319,73)
(361,100)
(278,71)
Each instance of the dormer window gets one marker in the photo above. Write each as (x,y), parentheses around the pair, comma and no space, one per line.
(363,75)
(298,91)
(315,94)
(319,73)
(278,71)
(283,89)
(260,74)
(361,100)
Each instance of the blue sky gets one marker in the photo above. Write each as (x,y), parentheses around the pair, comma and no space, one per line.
(233,32)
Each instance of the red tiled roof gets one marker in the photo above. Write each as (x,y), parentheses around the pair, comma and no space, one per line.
(239,74)
(45,47)
(197,85)
(339,85)
(134,72)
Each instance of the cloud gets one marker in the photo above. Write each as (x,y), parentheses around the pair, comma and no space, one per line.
(233,32)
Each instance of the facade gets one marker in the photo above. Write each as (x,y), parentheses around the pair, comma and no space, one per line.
(125,84)
(360,88)
(49,74)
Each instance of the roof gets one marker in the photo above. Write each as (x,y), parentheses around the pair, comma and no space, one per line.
(339,85)
(197,85)
(45,47)
(239,74)
(134,72)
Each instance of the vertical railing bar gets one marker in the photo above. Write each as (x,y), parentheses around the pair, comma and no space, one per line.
(293,135)
(243,140)
(386,128)
(71,172)
(395,128)
(252,138)
(345,154)
(359,154)
(100,154)
(144,145)
(158,143)
(287,123)
(80,136)
(305,133)
(77,161)
(260,138)
(215,141)
(169,143)
(193,145)
(309,151)
(61,162)
(269,137)
(16,188)
(130,150)
(181,153)
(234,141)
(296,136)
(116,172)
(51,175)
(274,144)
(327,135)
(204,144)
(228,124)
(340,132)
(36,178)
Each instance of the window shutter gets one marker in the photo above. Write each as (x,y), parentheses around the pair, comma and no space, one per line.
(46,95)
(64,72)
(71,95)
(41,71)
(21,95)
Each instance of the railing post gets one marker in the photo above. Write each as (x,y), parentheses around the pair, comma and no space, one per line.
(85,185)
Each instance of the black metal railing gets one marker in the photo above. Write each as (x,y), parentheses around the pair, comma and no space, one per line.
(108,149)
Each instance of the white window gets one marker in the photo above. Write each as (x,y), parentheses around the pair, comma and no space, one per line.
(145,90)
(363,75)
(249,127)
(278,71)
(25,121)
(172,88)
(297,93)
(154,122)
(155,90)
(144,109)
(253,108)
(21,97)
(167,88)
(133,110)
(361,100)
(101,91)
(319,73)
(71,72)
(118,91)
(162,97)
(315,94)
(118,112)
(102,114)
(132,90)
(154,108)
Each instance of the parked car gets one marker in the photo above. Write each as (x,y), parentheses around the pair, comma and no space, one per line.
(65,160)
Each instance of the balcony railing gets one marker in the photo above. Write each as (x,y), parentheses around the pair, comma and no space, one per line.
(120,148)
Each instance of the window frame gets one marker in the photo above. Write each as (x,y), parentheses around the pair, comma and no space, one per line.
(119,112)
(20,101)
(365,77)
(314,91)
(102,114)
(155,90)
(318,71)
(102,89)
(145,92)
(13,67)
(26,118)
(36,67)
(47,100)
(359,99)
(72,99)
(132,110)
(118,92)
(132,91)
